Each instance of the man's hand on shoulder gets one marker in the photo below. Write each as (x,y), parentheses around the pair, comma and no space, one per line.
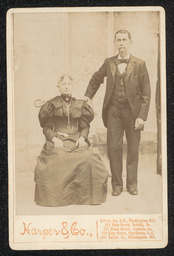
(88,100)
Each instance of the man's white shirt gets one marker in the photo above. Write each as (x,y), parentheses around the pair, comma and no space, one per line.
(122,66)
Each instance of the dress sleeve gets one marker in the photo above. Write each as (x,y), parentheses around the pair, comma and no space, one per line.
(85,120)
(46,120)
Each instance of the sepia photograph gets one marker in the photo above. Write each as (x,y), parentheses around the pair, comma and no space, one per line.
(87,128)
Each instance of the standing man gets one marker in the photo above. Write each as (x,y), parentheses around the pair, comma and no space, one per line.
(125,108)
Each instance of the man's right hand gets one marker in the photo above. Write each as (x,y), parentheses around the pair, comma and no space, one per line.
(57,142)
(88,100)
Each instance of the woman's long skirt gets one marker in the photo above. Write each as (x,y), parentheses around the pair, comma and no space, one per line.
(64,178)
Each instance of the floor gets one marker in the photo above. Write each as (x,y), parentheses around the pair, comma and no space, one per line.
(148,201)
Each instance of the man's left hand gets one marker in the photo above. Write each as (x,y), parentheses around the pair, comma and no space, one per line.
(81,142)
(139,123)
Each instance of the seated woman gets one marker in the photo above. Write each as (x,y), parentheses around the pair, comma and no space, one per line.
(67,172)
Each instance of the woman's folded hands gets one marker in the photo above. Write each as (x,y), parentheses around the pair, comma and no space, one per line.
(81,142)
(57,142)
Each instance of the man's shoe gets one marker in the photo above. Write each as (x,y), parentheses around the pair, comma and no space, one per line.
(116,192)
(133,191)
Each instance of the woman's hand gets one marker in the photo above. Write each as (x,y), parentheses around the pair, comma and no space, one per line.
(57,142)
(81,142)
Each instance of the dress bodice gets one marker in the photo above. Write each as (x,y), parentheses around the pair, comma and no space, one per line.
(57,115)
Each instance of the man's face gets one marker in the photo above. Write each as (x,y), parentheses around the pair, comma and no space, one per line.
(123,43)
(66,86)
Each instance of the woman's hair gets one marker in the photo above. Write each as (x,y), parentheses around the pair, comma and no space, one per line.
(63,76)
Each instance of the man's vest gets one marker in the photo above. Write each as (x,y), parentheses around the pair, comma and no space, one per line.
(119,94)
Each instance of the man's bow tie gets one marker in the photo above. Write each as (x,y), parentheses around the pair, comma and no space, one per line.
(119,61)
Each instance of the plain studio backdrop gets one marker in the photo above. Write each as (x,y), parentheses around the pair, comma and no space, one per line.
(46,45)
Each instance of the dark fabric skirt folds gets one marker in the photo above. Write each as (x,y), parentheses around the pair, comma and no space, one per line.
(63,178)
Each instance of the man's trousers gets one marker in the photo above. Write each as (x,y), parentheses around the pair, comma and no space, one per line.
(118,121)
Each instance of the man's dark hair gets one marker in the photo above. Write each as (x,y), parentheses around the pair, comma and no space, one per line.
(122,31)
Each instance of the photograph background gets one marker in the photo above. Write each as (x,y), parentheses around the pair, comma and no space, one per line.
(168,6)
(47,45)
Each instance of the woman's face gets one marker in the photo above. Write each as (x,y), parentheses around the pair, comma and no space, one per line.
(65,86)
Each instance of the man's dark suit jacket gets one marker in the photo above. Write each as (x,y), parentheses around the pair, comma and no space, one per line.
(137,86)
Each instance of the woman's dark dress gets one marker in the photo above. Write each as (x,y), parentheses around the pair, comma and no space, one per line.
(63,177)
